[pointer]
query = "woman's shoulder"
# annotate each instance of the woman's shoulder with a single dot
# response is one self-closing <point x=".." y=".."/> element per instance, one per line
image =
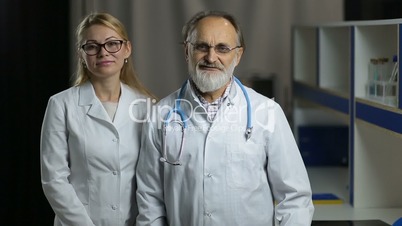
<point x="65" y="94"/>
<point x="133" y="92"/>
<point x="61" y="100"/>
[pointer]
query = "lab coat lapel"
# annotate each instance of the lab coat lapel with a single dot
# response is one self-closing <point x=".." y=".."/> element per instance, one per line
<point x="231" y="101"/>
<point x="126" y="103"/>
<point x="89" y="100"/>
<point x="233" y="98"/>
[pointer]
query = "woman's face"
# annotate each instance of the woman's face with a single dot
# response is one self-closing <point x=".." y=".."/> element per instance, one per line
<point x="104" y="52"/>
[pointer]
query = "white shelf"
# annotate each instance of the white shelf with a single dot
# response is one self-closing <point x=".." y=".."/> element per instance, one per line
<point x="335" y="180"/>
<point x="374" y="41"/>
<point x="331" y="70"/>
<point x="377" y="167"/>
<point x="347" y="212"/>
<point x="334" y="58"/>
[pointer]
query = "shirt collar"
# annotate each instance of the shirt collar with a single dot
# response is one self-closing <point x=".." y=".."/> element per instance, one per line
<point x="217" y="101"/>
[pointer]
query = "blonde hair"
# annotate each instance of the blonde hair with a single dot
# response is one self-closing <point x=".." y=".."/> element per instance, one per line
<point x="127" y="74"/>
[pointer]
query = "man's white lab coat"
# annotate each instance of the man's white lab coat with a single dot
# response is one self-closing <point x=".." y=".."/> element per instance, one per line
<point x="224" y="180"/>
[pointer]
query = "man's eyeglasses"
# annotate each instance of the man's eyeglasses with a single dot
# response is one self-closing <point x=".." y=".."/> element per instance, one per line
<point x="219" y="48"/>
<point x="93" y="48"/>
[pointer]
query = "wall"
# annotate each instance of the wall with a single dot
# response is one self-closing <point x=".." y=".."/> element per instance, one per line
<point x="155" y="30"/>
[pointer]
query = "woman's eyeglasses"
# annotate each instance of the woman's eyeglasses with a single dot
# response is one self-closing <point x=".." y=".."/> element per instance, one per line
<point x="93" y="48"/>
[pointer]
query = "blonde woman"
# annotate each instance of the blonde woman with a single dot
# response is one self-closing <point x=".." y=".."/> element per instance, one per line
<point x="90" y="136"/>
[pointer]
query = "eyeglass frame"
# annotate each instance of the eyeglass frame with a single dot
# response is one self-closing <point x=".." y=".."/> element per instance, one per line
<point x="103" y="45"/>
<point x="214" y="47"/>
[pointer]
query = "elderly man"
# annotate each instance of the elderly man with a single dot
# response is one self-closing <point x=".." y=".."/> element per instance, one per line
<point x="216" y="152"/>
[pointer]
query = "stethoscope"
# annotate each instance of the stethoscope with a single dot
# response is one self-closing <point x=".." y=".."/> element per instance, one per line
<point x="182" y="121"/>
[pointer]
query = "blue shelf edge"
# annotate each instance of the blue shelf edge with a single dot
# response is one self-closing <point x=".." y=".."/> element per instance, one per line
<point x="381" y="117"/>
<point x="321" y="97"/>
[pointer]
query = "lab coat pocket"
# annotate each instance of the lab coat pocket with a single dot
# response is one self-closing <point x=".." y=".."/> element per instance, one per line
<point x="244" y="165"/>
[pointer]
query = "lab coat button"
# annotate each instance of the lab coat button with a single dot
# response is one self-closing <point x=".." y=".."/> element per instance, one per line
<point x="114" y="140"/>
<point x="114" y="207"/>
<point x="114" y="172"/>
<point x="209" y="175"/>
<point x="208" y="214"/>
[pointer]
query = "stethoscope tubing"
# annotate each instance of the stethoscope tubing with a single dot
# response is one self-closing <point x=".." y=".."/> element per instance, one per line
<point x="183" y="122"/>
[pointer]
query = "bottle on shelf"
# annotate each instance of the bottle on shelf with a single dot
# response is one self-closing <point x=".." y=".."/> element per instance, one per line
<point x="381" y="85"/>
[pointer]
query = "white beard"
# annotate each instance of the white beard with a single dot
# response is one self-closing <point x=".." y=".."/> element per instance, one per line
<point x="207" y="81"/>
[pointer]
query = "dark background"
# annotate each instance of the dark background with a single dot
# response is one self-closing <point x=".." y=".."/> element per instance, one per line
<point x="372" y="9"/>
<point x="34" y="45"/>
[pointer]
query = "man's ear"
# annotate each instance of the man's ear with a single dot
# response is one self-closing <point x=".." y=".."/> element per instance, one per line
<point x="239" y="54"/>
<point x="186" y="53"/>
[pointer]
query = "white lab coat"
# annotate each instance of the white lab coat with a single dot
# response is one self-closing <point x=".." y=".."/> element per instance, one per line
<point x="224" y="180"/>
<point x="87" y="161"/>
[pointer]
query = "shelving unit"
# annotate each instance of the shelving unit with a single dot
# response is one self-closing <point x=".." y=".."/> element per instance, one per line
<point x="372" y="41"/>
<point x="333" y="61"/>
<point x="330" y="75"/>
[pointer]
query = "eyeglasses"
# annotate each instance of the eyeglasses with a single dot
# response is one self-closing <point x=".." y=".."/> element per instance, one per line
<point x="112" y="46"/>
<point x="220" y="48"/>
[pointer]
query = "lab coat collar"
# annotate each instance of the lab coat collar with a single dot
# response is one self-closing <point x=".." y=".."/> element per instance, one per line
<point x="87" y="94"/>
<point x="233" y="98"/>
<point x="87" y="97"/>
<point x="128" y="105"/>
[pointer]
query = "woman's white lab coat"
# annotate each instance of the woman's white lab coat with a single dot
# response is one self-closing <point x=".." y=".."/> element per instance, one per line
<point x="223" y="179"/>
<point x="87" y="161"/>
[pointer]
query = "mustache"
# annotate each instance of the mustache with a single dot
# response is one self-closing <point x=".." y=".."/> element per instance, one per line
<point x="214" y="65"/>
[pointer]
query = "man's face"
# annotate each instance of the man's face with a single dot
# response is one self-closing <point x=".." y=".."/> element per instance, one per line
<point x="213" y="52"/>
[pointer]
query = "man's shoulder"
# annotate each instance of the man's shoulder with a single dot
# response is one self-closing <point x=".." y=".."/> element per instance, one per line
<point x="170" y="98"/>
<point x="258" y="97"/>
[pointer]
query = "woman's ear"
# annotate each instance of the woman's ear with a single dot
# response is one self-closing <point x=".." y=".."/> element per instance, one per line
<point x="128" y="49"/>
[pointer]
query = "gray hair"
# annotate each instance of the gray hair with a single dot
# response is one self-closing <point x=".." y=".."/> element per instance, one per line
<point x="189" y="27"/>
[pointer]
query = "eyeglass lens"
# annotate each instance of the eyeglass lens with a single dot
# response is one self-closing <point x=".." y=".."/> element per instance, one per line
<point x="112" y="46"/>
<point x="219" y="48"/>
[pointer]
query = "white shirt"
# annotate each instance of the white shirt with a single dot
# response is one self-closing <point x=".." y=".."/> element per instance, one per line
<point x="213" y="107"/>
<point x="87" y="161"/>
<point x="111" y="108"/>
<point x="223" y="179"/>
